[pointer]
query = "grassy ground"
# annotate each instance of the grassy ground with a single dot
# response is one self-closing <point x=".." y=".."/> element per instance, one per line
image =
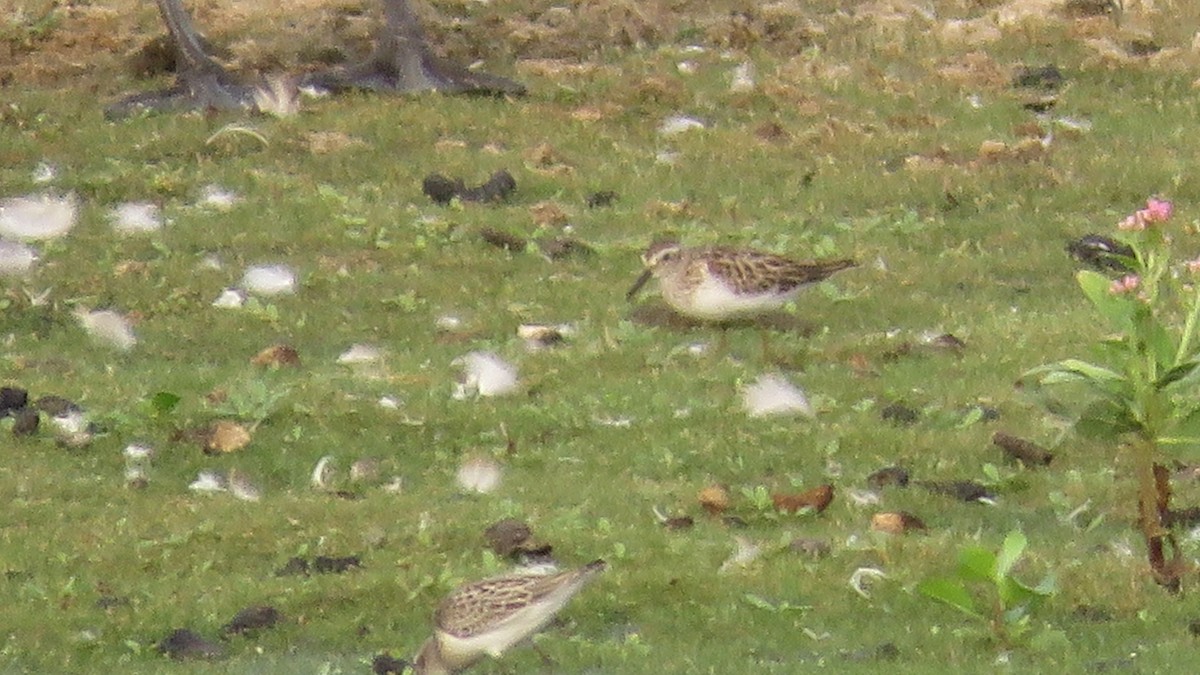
<point x="883" y="112"/>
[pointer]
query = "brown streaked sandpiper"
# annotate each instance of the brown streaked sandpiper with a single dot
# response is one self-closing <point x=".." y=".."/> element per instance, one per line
<point x="488" y="617"/>
<point x="721" y="284"/>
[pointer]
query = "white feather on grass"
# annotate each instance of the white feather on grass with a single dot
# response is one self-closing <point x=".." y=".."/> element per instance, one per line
<point x="138" y="452"/>
<point x="742" y="79"/>
<point x="217" y="198"/>
<point x="278" y="95"/>
<point x="136" y="218"/>
<point x="230" y="298"/>
<point x="269" y="280"/>
<point x="485" y="374"/>
<point x="359" y="354"/>
<point x="44" y="172"/>
<point x="479" y="474"/>
<point x="208" y="481"/>
<point x="678" y="124"/>
<point x="38" y="217"/>
<point x="746" y="553"/>
<point x="16" y="259"/>
<point x="774" y="395"/>
<point x="107" y="327"/>
<point x="322" y="474"/>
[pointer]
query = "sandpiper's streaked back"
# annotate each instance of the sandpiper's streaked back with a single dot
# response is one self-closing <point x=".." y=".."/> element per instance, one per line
<point x="488" y="617"/>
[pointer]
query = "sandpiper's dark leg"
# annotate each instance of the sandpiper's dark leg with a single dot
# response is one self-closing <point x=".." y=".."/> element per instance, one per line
<point x="200" y="82"/>
<point x="402" y="62"/>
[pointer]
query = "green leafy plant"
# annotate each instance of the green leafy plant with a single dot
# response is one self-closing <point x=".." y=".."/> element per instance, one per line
<point x="1010" y="602"/>
<point x="1142" y="389"/>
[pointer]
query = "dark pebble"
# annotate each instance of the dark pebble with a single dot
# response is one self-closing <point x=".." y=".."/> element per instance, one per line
<point x="56" y="406"/>
<point x="441" y="189"/>
<point x="27" y="421"/>
<point x="293" y="567"/>
<point x="12" y="399"/>
<point x="506" y="536"/>
<point x="502" y="239"/>
<point x="900" y="414"/>
<point x="1043" y="77"/>
<point x="962" y="490"/>
<point x="384" y="664"/>
<point x="601" y="199"/>
<point x="185" y="644"/>
<point x="335" y="565"/>
<point x="888" y="475"/>
<point x="252" y="619"/>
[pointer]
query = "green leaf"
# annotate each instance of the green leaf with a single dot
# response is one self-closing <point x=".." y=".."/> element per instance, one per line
<point x="1185" y="430"/>
<point x="1105" y="419"/>
<point x="1117" y="309"/>
<point x="1185" y="374"/>
<point x="976" y="564"/>
<point x="1048" y="586"/>
<point x="1014" y="594"/>
<point x="1101" y="380"/>
<point x="1010" y="553"/>
<point x="1156" y="338"/>
<point x="164" y="402"/>
<point x="758" y="602"/>
<point x="951" y="592"/>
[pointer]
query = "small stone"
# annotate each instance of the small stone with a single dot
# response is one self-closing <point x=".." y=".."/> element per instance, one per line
<point x="184" y="644"/>
<point x="277" y="356"/>
<point x="503" y="240"/>
<point x="676" y="523"/>
<point x="335" y="565"/>
<point x="506" y="537"/>
<point x="295" y="566"/>
<point x="1027" y="452"/>
<point x="889" y="475"/>
<point x="810" y="546"/>
<point x="225" y="436"/>
<point x="385" y="664"/>
<point x="962" y="490"/>
<point x="252" y="619"/>
<point x="12" y="399"/>
<point x="714" y="499"/>
<point x="816" y="499"/>
<point x="900" y="415"/>
<point x="896" y="522"/>
<point x="26" y="422"/>
<point x="601" y="199"/>
<point x="1043" y="77"/>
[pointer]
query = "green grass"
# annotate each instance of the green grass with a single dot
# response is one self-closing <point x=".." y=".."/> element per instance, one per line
<point x="970" y="248"/>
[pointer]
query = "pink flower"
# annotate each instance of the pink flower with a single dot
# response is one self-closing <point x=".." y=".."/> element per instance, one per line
<point x="1158" y="210"/>
<point x="1126" y="284"/>
<point x="1193" y="266"/>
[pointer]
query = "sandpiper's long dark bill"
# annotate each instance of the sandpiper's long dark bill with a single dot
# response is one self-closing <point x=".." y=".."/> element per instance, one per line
<point x="488" y="617"/>
<point x="642" y="279"/>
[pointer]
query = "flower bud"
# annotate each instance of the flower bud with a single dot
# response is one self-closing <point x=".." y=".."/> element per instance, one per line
<point x="1126" y="284"/>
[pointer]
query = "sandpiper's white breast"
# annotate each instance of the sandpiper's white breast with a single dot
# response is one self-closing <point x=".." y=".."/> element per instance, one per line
<point x="713" y="300"/>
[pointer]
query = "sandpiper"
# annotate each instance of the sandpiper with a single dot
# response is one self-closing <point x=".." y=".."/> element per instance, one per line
<point x="487" y="617"/>
<point x="720" y="284"/>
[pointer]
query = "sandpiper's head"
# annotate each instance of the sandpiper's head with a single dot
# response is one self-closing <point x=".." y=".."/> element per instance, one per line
<point x="661" y="253"/>
<point x="657" y="257"/>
